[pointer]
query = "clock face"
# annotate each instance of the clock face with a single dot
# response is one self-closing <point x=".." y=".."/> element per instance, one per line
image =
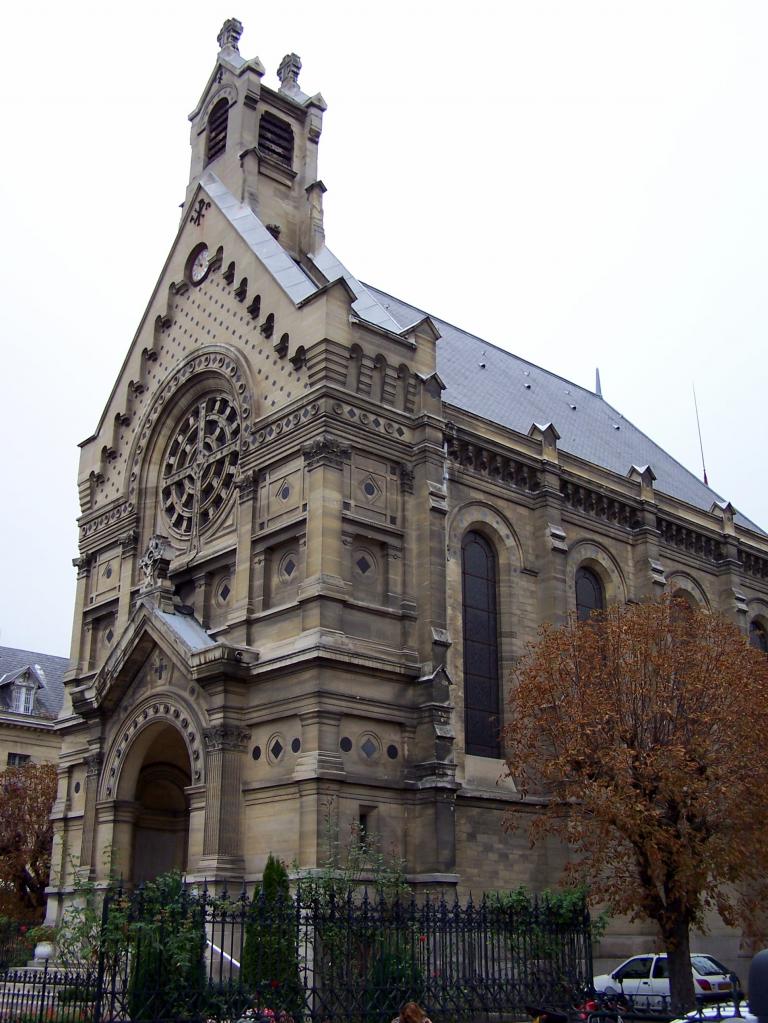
<point x="199" y="267"/>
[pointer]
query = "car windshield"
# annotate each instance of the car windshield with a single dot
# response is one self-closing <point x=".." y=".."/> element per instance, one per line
<point x="707" y="967"/>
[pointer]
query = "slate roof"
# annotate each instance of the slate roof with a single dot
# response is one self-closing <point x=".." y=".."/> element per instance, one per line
<point x="508" y="390"/>
<point x="49" y="671"/>
<point x="516" y="393"/>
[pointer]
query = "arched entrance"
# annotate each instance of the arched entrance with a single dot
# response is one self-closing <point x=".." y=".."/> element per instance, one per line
<point x="157" y="770"/>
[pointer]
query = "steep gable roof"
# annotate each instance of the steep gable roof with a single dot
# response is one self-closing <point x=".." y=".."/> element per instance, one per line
<point x="47" y="668"/>
<point x="499" y="386"/>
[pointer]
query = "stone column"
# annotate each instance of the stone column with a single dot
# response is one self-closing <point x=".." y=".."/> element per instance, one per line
<point x="222" y="835"/>
<point x="92" y="772"/>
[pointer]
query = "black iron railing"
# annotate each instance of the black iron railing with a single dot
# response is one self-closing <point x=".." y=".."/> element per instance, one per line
<point x="312" y="957"/>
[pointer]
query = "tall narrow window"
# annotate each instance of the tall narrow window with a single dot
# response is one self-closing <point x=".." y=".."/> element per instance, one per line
<point x="589" y="594"/>
<point x="758" y="637"/>
<point x="276" y="139"/>
<point x="481" y="653"/>
<point x="217" y="130"/>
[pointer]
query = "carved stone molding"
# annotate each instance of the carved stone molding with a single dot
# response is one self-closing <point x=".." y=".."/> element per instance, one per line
<point x="156" y="561"/>
<point x="84" y="564"/>
<point x="226" y="737"/>
<point x="406" y="479"/>
<point x="500" y="468"/>
<point x="326" y="451"/>
<point x="599" y="506"/>
<point x="93" y="765"/>
<point x="675" y="534"/>
<point x="246" y="483"/>
<point x="129" y="541"/>
<point x="151" y="712"/>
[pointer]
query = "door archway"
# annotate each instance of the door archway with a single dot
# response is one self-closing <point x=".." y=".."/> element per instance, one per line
<point x="158" y="771"/>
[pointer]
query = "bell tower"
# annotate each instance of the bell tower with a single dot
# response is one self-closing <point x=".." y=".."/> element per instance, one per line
<point x="261" y="143"/>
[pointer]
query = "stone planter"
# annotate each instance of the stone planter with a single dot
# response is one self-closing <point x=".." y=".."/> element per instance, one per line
<point x="44" y="950"/>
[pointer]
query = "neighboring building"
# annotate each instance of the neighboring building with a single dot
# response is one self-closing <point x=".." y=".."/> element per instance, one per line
<point x="318" y="527"/>
<point x="31" y="697"/>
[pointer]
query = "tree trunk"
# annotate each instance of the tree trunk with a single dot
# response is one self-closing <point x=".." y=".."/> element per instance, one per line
<point x="678" y="949"/>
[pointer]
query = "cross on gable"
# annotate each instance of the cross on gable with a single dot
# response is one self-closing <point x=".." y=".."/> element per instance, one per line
<point x="159" y="667"/>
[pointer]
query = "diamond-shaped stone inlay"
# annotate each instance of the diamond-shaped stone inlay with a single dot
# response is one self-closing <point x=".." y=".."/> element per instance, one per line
<point x="110" y="635"/>
<point x="370" y="488"/>
<point x="369" y="747"/>
<point x="224" y="592"/>
<point x="363" y="564"/>
<point x="290" y="567"/>
<point x="276" y="749"/>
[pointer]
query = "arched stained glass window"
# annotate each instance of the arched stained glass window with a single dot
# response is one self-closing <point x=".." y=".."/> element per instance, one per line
<point x="481" y="653"/>
<point x="758" y="637"/>
<point x="589" y="594"/>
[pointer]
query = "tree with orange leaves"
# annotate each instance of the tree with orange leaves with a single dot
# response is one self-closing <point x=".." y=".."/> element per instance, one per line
<point x="646" y="728"/>
<point x="26" y="836"/>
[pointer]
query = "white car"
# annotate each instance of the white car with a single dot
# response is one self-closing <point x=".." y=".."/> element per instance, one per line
<point x="645" y="979"/>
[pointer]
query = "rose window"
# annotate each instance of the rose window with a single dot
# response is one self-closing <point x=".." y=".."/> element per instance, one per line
<point x="200" y="464"/>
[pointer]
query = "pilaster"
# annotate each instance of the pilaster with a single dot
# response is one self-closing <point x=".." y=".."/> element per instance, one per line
<point x="79" y="646"/>
<point x="247" y="492"/>
<point x="92" y="773"/>
<point x="649" y="576"/>
<point x="222" y="856"/>
<point x="128" y="545"/>
<point x="551" y="539"/>
<point x="324" y="459"/>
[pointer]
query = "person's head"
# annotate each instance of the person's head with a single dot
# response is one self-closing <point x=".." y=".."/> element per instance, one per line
<point x="412" y="1012"/>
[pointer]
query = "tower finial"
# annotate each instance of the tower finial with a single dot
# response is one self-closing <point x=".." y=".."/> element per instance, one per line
<point x="230" y="34"/>
<point x="598" y="388"/>
<point x="288" y="73"/>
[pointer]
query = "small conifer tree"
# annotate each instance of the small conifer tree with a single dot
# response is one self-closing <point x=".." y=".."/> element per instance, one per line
<point x="270" y="965"/>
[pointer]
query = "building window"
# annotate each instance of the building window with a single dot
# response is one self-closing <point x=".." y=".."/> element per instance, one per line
<point x="590" y="595"/>
<point x="276" y="139"/>
<point x="217" y="130"/>
<point x="18" y="759"/>
<point x="481" y="654"/>
<point x="758" y="637"/>
<point x="23" y="699"/>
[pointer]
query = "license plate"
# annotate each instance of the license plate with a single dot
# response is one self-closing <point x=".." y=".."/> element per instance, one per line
<point x="724" y="985"/>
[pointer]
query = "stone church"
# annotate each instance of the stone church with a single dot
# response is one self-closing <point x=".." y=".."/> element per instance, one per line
<point x="318" y="527"/>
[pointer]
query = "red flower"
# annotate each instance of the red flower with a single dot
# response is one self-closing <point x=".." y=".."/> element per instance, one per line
<point x="275" y="983"/>
<point x="422" y="937"/>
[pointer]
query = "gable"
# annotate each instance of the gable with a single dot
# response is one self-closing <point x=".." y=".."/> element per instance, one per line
<point x="230" y="305"/>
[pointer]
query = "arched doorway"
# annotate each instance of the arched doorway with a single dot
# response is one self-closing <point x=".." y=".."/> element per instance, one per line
<point x="159" y="772"/>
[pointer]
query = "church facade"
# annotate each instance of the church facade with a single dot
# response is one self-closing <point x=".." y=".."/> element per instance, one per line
<point x="318" y="527"/>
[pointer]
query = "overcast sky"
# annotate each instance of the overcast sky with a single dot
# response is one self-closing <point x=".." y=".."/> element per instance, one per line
<point x="582" y="183"/>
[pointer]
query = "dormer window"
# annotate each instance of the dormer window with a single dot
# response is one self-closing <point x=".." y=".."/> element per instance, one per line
<point x="23" y="698"/>
<point x="217" y="130"/>
<point x="276" y="139"/>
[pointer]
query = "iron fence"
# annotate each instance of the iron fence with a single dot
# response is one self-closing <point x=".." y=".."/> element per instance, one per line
<point x="310" y="957"/>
